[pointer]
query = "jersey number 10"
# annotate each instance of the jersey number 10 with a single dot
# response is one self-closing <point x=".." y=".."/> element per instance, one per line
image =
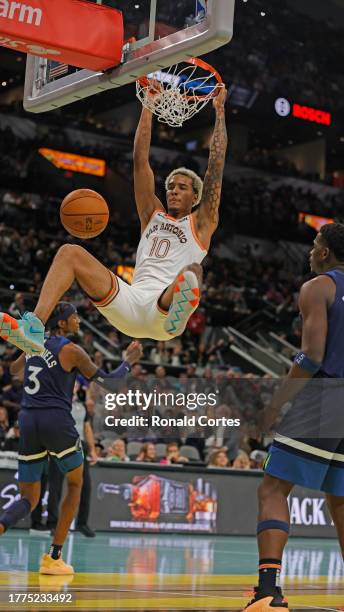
<point x="160" y="248"/>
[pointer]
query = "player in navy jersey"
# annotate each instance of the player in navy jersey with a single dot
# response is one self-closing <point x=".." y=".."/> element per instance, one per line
<point x="309" y="447"/>
<point x="47" y="427"/>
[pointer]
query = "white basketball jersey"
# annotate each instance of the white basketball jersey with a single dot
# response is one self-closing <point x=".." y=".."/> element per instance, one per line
<point x="167" y="245"/>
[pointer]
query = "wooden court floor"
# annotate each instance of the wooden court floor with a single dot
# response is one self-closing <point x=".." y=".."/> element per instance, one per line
<point x="163" y="573"/>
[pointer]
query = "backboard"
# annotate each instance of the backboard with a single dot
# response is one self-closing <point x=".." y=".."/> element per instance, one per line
<point x="158" y="33"/>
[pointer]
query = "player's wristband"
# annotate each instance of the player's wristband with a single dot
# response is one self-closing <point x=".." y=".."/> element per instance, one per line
<point x="307" y="364"/>
<point x="107" y="379"/>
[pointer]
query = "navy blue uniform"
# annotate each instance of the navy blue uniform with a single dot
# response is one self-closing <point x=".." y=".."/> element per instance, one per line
<point x="309" y="449"/>
<point x="333" y="363"/>
<point x="45" y="421"/>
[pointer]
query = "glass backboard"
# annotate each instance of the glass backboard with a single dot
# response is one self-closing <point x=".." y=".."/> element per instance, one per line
<point x="158" y="33"/>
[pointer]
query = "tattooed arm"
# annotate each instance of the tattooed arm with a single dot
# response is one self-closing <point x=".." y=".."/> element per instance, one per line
<point x="207" y="216"/>
<point x="144" y="182"/>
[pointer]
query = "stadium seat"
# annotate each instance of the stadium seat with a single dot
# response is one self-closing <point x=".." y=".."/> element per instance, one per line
<point x="190" y="452"/>
<point x="160" y="450"/>
<point x="133" y="449"/>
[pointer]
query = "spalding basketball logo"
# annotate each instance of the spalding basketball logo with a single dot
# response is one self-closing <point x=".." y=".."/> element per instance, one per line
<point x="89" y="223"/>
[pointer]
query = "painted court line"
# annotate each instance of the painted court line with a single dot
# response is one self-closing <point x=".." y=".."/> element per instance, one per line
<point x="315" y="608"/>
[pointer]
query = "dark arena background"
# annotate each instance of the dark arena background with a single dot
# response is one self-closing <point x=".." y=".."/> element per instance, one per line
<point x="168" y="512"/>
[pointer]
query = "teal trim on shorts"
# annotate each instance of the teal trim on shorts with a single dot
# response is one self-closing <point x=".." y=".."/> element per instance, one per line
<point x="69" y="463"/>
<point x="311" y="473"/>
<point x="32" y="471"/>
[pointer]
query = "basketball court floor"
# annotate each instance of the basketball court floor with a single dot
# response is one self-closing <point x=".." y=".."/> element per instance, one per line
<point x="165" y="572"/>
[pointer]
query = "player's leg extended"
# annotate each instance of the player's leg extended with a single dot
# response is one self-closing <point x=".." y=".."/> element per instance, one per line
<point x="53" y="563"/>
<point x="181" y="298"/>
<point x="273" y="531"/>
<point x="71" y="263"/>
<point x="336" y="507"/>
<point x="30" y="494"/>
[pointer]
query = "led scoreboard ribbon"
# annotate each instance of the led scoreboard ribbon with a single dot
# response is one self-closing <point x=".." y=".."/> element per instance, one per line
<point x="75" y="163"/>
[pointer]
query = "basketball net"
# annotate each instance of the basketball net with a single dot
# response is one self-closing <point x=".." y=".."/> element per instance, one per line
<point x="176" y="94"/>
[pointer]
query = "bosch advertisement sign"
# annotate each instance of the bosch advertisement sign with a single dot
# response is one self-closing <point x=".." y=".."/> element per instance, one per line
<point x="285" y="108"/>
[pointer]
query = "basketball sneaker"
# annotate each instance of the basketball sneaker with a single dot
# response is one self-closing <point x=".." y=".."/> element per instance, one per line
<point x="26" y="333"/>
<point x="186" y="298"/>
<point x="263" y="602"/>
<point x="54" y="567"/>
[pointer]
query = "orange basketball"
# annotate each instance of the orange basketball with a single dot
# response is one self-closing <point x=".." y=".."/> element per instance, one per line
<point x="84" y="213"/>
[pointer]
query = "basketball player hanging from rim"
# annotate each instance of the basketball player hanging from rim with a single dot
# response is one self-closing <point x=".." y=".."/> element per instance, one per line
<point x="168" y="275"/>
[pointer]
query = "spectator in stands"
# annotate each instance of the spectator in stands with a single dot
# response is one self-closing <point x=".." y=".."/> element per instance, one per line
<point x="176" y="355"/>
<point x="194" y="384"/>
<point x="241" y="461"/>
<point x="257" y="459"/>
<point x="113" y="337"/>
<point x="295" y="335"/>
<point x="11" y="397"/>
<point x="4" y="425"/>
<point x="98" y="358"/>
<point x="173" y="455"/>
<point x="137" y="378"/>
<point x="159" y="354"/>
<point x="117" y="452"/>
<point x="208" y="382"/>
<point x="191" y="370"/>
<point x="12" y="439"/>
<point x="5" y="377"/>
<point x="37" y="282"/>
<point x="18" y="306"/>
<point x="95" y="403"/>
<point x="161" y="383"/>
<point x="196" y="324"/>
<point x="9" y="355"/>
<point x="87" y="342"/>
<point x="218" y="459"/>
<point x="137" y="372"/>
<point x="100" y="450"/>
<point x="147" y="453"/>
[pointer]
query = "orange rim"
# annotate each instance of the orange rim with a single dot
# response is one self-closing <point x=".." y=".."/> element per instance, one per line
<point x="195" y="61"/>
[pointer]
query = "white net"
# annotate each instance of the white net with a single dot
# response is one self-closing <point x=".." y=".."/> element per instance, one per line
<point x="176" y="94"/>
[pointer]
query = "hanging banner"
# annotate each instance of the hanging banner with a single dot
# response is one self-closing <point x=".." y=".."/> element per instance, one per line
<point x="74" y="32"/>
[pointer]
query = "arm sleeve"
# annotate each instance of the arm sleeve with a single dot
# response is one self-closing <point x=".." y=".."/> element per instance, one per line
<point x="107" y="380"/>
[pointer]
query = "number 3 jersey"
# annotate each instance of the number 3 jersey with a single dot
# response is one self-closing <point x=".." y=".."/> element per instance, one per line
<point x="167" y="245"/>
<point x="46" y="383"/>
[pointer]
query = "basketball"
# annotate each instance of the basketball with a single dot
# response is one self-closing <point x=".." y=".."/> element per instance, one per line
<point x="84" y="213"/>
